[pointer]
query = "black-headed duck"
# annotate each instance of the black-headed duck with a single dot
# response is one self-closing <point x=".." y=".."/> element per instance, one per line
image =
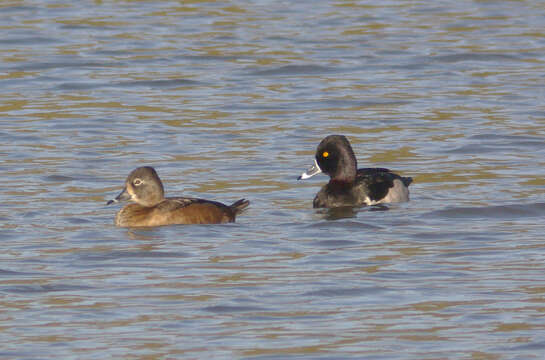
<point x="150" y="208"/>
<point x="348" y="185"/>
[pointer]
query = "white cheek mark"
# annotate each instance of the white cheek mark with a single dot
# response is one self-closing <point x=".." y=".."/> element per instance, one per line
<point x="130" y="191"/>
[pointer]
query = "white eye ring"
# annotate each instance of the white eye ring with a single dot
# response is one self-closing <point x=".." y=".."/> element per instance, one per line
<point x="137" y="182"/>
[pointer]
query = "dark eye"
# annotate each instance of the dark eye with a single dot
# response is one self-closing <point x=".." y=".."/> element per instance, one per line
<point x="137" y="182"/>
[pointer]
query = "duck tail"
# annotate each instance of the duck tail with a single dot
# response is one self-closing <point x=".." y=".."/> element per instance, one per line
<point x="239" y="205"/>
<point x="407" y="180"/>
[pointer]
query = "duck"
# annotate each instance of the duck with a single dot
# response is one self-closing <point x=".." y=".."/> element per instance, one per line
<point x="348" y="185"/>
<point x="150" y="207"/>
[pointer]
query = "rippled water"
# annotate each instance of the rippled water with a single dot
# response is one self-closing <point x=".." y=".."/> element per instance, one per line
<point x="229" y="100"/>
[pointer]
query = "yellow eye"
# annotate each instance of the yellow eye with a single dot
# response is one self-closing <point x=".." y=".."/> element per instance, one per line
<point x="325" y="154"/>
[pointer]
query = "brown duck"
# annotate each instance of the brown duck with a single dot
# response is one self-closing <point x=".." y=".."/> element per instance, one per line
<point x="150" y="208"/>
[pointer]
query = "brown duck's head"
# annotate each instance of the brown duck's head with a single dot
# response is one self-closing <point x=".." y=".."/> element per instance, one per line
<point x="143" y="186"/>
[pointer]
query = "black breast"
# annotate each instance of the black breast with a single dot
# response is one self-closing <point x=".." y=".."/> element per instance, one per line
<point x="336" y="194"/>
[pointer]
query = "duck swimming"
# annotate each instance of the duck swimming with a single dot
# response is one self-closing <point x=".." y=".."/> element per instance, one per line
<point x="150" y="208"/>
<point x="348" y="185"/>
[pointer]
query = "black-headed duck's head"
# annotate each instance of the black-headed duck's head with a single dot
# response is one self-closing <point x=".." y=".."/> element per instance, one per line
<point x="334" y="157"/>
<point x="142" y="186"/>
